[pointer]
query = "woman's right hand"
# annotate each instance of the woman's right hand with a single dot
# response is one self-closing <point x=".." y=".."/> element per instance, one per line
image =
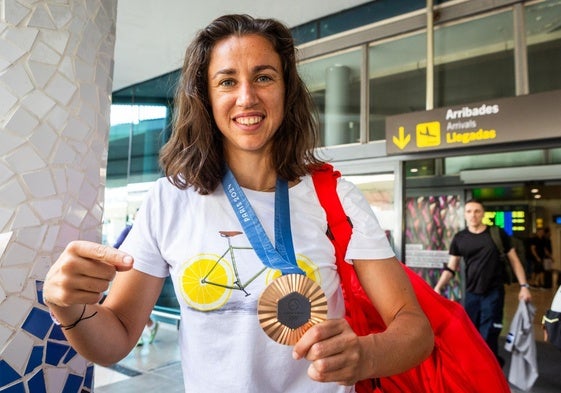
<point x="82" y="273"/>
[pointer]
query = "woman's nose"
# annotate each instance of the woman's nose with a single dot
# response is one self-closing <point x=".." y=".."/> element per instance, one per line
<point x="247" y="96"/>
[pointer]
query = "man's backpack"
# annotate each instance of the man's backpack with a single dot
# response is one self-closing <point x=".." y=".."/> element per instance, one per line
<point x="461" y="361"/>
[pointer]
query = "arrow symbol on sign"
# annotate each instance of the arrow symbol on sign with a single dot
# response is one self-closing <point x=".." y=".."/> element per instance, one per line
<point x="402" y="140"/>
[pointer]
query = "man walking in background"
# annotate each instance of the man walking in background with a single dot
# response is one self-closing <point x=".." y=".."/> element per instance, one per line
<point x="485" y="273"/>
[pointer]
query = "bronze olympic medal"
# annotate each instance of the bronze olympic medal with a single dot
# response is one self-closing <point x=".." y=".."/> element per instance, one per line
<point x="289" y="306"/>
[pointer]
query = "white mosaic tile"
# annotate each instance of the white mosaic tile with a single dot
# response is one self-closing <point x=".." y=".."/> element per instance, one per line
<point x="58" y="117"/>
<point x="25" y="217"/>
<point x="84" y="71"/>
<point x="55" y="379"/>
<point x="14" y="309"/>
<point x="76" y="129"/>
<point x="88" y="194"/>
<point x="14" y="12"/>
<point x="55" y="39"/>
<point x="75" y="180"/>
<point x="5" y="216"/>
<point x="17" y="79"/>
<point x="39" y="183"/>
<point x="4" y="241"/>
<point x="61" y="14"/>
<point x="60" y="88"/>
<point x="31" y="237"/>
<point x="65" y="233"/>
<point x="75" y="215"/>
<point x="67" y="69"/>
<point x="21" y="122"/>
<point x="5" y="332"/>
<point x="41" y="18"/>
<point x="43" y="140"/>
<point x="10" y="52"/>
<point x="60" y="180"/>
<point x="48" y="209"/>
<point x="18" y="350"/>
<point x="38" y="103"/>
<point x="30" y="289"/>
<point x="39" y="270"/>
<point x="64" y="154"/>
<point x="13" y="279"/>
<point x="41" y="72"/>
<point x="25" y="159"/>
<point x="7" y="102"/>
<point x="50" y="240"/>
<point x="42" y="53"/>
<point x="5" y="173"/>
<point x="17" y="254"/>
<point x="11" y="193"/>
<point x="24" y="38"/>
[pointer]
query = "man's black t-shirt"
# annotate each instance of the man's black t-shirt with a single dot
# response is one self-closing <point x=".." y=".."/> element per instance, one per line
<point x="484" y="268"/>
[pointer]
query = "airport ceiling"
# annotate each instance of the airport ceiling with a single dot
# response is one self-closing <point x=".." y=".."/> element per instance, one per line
<point x="151" y="36"/>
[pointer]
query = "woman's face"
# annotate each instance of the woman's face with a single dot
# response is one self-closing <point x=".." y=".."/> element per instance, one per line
<point x="246" y="90"/>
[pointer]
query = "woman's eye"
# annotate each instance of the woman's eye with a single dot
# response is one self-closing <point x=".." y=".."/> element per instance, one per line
<point x="227" y="83"/>
<point x="264" y="78"/>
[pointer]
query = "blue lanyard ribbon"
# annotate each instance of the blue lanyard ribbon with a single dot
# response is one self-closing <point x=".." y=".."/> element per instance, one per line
<point x="281" y="256"/>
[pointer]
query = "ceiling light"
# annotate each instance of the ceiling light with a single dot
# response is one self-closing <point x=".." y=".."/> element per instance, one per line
<point x="534" y="190"/>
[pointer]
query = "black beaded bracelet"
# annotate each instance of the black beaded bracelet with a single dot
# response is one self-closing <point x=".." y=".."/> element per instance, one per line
<point x="73" y="325"/>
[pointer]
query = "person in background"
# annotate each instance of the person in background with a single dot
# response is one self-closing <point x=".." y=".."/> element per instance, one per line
<point x="152" y="327"/>
<point x="244" y="125"/>
<point x="485" y="274"/>
<point x="538" y="253"/>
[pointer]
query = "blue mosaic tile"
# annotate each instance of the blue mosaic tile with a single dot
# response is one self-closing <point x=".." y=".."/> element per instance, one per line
<point x="73" y="384"/>
<point x="39" y="287"/>
<point x="36" y="359"/>
<point x="71" y="353"/>
<point x="7" y="374"/>
<point x="56" y="333"/>
<point x="55" y="353"/>
<point x="37" y="383"/>
<point x="88" y="380"/>
<point x="38" y="323"/>
<point x="18" y="388"/>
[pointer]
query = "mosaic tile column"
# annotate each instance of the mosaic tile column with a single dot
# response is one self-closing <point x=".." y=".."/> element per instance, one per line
<point x="56" y="64"/>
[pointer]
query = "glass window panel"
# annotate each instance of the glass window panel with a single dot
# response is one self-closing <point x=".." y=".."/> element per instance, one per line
<point x="453" y="165"/>
<point x="555" y="156"/>
<point x="334" y="82"/>
<point x="397" y="80"/>
<point x="474" y="60"/>
<point x="379" y="192"/>
<point x="543" y="37"/>
<point x="136" y="135"/>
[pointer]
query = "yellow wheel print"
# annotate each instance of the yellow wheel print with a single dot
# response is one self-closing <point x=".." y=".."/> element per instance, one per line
<point x="303" y="263"/>
<point x="210" y="293"/>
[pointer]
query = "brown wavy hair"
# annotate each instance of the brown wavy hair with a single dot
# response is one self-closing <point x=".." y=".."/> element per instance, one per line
<point x="194" y="154"/>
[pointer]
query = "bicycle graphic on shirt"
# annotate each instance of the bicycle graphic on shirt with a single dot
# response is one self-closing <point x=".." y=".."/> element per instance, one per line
<point x="208" y="280"/>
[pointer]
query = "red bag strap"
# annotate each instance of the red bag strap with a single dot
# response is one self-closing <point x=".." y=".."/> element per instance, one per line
<point x="339" y="230"/>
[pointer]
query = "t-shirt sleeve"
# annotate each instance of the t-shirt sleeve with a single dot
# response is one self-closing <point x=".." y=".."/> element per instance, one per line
<point x="141" y="241"/>
<point x="368" y="240"/>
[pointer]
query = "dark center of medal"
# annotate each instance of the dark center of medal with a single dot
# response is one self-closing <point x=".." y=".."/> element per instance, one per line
<point x="294" y="310"/>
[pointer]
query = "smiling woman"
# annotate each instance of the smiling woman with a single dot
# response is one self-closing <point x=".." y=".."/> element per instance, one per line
<point x="244" y="126"/>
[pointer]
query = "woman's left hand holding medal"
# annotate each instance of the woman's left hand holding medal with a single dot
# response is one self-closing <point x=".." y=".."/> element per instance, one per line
<point x="336" y="353"/>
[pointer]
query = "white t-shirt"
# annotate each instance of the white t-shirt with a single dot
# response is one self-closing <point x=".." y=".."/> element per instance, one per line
<point x="556" y="302"/>
<point x="223" y="347"/>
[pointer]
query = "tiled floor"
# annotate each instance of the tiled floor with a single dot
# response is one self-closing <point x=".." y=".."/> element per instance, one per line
<point x="156" y="367"/>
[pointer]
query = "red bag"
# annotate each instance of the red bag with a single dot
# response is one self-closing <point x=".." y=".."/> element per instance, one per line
<point x="461" y="361"/>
